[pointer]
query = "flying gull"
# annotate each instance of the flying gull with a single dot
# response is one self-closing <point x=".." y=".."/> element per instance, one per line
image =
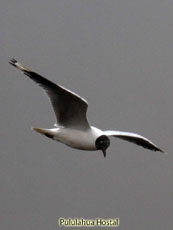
<point x="73" y="128"/>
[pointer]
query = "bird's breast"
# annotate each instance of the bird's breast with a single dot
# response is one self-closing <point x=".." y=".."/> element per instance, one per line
<point x="79" y="139"/>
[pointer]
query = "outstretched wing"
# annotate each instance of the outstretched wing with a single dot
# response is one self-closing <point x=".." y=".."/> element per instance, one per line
<point x="134" y="138"/>
<point x="70" y="109"/>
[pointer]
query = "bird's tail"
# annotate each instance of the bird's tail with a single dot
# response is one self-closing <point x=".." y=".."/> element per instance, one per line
<point x="46" y="132"/>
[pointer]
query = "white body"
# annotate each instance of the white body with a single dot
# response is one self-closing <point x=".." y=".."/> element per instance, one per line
<point x="78" y="139"/>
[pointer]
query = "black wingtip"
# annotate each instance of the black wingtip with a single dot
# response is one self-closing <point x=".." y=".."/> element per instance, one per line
<point x="162" y="151"/>
<point x="159" y="150"/>
<point x="13" y="62"/>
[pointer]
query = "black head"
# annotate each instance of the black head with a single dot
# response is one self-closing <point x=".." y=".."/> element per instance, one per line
<point x="102" y="143"/>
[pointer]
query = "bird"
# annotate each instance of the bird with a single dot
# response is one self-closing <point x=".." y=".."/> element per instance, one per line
<point x="72" y="127"/>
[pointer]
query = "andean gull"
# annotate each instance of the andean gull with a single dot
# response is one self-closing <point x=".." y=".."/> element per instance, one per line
<point x="73" y="128"/>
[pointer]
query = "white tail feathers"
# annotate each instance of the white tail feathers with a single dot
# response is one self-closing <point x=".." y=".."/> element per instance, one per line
<point x="39" y="130"/>
<point x="45" y="132"/>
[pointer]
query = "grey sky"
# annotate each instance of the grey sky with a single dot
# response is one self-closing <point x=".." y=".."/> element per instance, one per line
<point x="118" y="55"/>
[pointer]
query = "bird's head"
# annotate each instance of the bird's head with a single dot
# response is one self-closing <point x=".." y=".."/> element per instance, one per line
<point x="102" y="143"/>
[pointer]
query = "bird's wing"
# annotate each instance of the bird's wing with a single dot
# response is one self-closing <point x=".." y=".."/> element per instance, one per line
<point x="70" y="109"/>
<point x="135" y="138"/>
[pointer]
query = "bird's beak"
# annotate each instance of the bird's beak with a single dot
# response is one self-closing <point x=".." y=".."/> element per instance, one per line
<point x="104" y="152"/>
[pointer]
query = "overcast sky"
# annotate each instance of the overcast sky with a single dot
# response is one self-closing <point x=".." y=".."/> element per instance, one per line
<point x="118" y="55"/>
